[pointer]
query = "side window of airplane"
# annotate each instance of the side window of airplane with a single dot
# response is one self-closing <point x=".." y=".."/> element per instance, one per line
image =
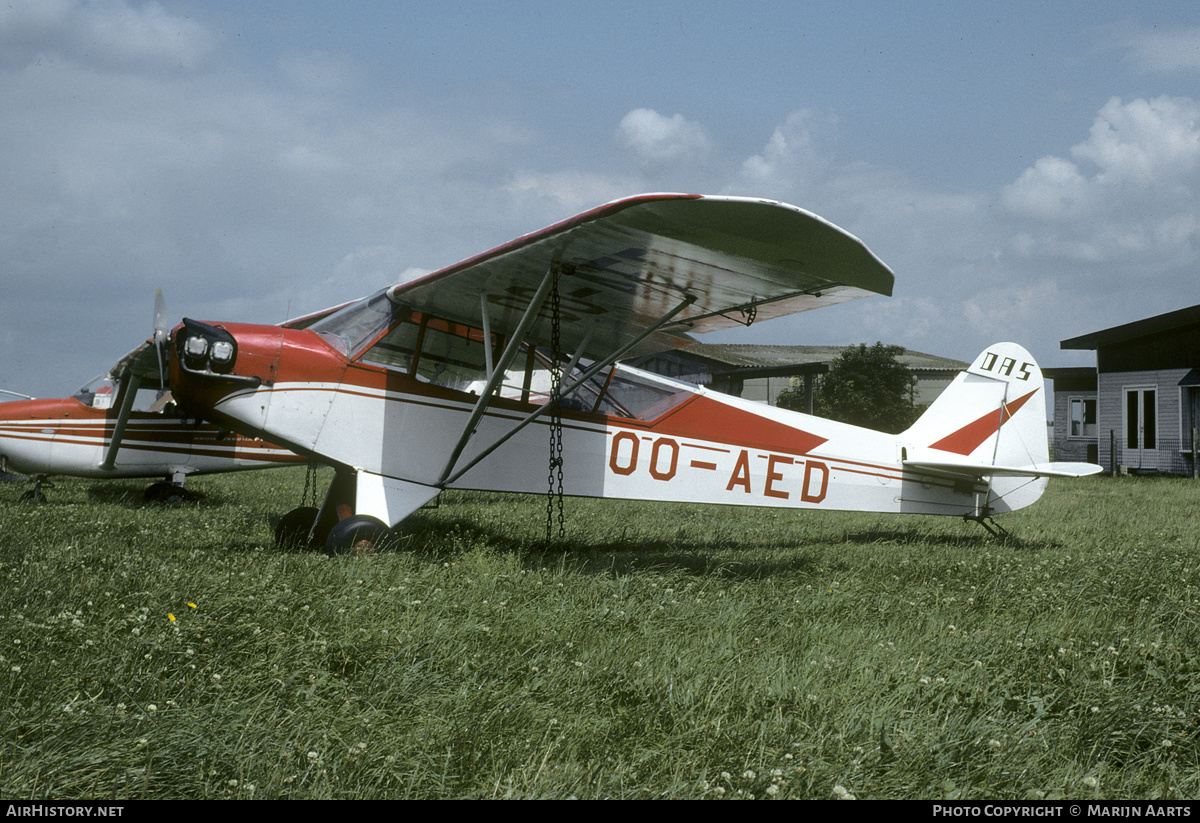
<point x="452" y="355"/>
<point x="433" y="351"/>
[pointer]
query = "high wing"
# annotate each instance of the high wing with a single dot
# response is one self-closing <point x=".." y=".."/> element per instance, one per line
<point x="654" y="266"/>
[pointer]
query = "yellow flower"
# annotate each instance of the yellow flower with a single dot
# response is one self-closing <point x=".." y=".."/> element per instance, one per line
<point x="171" y="617"/>
<point x="191" y="605"/>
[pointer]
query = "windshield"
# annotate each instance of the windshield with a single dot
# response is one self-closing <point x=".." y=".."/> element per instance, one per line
<point x="101" y="393"/>
<point x="350" y="328"/>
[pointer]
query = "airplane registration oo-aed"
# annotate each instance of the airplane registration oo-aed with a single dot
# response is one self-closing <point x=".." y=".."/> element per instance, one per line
<point x="501" y="373"/>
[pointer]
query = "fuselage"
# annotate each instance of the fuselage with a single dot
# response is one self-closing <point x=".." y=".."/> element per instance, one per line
<point x="658" y="440"/>
<point x="69" y="437"/>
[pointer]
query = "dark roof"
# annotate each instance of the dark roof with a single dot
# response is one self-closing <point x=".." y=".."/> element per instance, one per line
<point x="1069" y="371"/>
<point x="1139" y="328"/>
<point x="749" y="356"/>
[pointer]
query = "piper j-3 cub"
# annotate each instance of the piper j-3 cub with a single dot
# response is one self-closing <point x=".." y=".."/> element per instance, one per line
<point x="124" y="424"/>
<point x="461" y="379"/>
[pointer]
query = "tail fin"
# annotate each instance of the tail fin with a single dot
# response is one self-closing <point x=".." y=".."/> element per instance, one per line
<point x="991" y="423"/>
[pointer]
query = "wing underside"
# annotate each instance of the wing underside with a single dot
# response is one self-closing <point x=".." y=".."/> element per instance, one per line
<point x="673" y="264"/>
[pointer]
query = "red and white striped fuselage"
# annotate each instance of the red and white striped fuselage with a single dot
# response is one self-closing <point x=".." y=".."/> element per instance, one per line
<point x="68" y="437"/>
<point x="398" y="433"/>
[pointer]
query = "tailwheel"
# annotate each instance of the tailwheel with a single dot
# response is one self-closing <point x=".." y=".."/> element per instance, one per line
<point x="293" y="529"/>
<point x="360" y="534"/>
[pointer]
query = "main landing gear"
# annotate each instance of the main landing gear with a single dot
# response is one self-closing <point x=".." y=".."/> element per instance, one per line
<point x="334" y="527"/>
<point x="172" y="494"/>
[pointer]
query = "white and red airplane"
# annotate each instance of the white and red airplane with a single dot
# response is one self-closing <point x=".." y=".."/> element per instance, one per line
<point x="124" y="424"/>
<point x="500" y="373"/>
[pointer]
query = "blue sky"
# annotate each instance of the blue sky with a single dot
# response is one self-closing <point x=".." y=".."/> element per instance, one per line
<point x="1031" y="172"/>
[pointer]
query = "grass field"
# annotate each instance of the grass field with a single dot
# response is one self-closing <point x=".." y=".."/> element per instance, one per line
<point x="667" y="651"/>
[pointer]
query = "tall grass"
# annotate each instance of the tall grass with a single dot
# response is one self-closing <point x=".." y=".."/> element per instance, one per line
<point x="658" y="651"/>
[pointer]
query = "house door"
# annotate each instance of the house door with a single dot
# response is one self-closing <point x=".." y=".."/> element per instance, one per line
<point x="1191" y="417"/>
<point x="1141" y="428"/>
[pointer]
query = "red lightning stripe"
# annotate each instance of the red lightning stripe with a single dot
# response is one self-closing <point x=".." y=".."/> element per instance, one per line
<point x="971" y="436"/>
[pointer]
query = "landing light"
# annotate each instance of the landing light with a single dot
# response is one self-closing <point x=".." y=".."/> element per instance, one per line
<point x="195" y="347"/>
<point x="222" y="351"/>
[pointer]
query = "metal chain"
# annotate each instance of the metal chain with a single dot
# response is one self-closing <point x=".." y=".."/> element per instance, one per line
<point x="556" y="445"/>
<point x="310" y="477"/>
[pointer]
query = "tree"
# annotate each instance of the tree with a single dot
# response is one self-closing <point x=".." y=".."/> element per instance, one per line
<point x="867" y="386"/>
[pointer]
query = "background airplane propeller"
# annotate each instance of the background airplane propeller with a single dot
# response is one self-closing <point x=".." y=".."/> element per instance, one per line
<point x="161" y="330"/>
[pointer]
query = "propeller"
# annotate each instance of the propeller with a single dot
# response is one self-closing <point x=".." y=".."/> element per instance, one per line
<point x="161" y="331"/>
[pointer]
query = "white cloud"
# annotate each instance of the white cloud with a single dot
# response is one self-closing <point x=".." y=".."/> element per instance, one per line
<point x="106" y="32"/>
<point x="558" y="195"/>
<point x="658" y="139"/>
<point x="1130" y="193"/>
<point x="796" y="155"/>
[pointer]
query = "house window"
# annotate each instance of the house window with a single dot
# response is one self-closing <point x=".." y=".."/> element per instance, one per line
<point x="1083" y="417"/>
<point x="1141" y="419"/>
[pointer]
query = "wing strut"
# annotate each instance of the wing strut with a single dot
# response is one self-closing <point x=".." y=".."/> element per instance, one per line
<point x="595" y="369"/>
<point x="129" y="390"/>
<point x="497" y="372"/>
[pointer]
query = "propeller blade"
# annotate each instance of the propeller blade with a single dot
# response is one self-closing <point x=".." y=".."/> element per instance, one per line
<point x="161" y="330"/>
<point x="160" y="317"/>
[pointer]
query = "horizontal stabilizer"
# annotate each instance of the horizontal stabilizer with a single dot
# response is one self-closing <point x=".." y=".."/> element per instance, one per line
<point x="975" y="470"/>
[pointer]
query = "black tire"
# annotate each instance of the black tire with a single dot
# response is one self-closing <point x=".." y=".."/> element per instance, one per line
<point x="164" y="492"/>
<point x="291" y="532"/>
<point x="360" y="534"/>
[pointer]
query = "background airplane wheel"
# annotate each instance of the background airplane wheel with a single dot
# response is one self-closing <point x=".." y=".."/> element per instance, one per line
<point x="291" y="532"/>
<point x="165" y="492"/>
<point x="360" y="534"/>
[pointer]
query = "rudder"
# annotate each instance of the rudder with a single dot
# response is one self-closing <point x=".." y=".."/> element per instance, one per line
<point x="992" y="414"/>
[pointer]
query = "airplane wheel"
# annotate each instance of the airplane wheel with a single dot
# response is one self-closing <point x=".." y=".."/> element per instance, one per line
<point x="33" y="497"/>
<point x="165" y="492"/>
<point x="291" y="532"/>
<point x="360" y="534"/>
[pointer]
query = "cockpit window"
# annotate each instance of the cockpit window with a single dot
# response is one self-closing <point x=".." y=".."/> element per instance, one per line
<point x="453" y="355"/>
<point x="433" y="351"/>
<point x="351" y="327"/>
<point x="100" y="393"/>
<point x="103" y="393"/>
